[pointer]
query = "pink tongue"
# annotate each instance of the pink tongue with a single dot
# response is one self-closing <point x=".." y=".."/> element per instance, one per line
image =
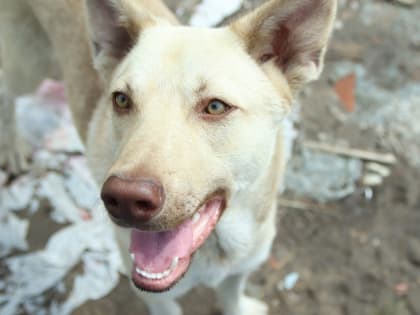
<point x="155" y="251"/>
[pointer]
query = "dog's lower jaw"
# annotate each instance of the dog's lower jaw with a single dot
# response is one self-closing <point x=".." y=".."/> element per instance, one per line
<point x="150" y="250"/>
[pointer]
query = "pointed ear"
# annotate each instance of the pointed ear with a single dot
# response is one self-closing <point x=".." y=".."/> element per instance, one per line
<point x="115" y="26"/>
<point x="293" y="34"/>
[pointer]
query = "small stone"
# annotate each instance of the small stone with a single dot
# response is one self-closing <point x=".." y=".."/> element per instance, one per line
<point x="372" y="180"/>
<point x="289" y="282"/>
<point x="414" y="251"/>
<point x="378" y="169"/>
<point x="368" y="193"/>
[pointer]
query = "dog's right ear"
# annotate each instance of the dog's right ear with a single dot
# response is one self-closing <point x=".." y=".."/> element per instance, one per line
<point x="290" y="36"/>
<point x="115" y="26"/>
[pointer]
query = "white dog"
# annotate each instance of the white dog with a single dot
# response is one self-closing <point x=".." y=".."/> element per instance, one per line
<point x="182" y="126"/>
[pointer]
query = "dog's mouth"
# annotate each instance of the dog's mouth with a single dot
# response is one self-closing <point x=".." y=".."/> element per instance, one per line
<point x="160" y="259"/>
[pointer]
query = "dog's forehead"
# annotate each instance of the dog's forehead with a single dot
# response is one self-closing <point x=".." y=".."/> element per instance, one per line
<point x="183" y="43"/>
<point x="182" y="53"/>
<point x="181" y="62"/>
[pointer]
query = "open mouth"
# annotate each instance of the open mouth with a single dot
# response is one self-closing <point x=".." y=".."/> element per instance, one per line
<point x="160" y="259"/>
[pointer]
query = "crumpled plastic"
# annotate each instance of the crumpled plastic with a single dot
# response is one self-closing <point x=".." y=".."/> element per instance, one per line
<point x="212" y="12"/>
<point x="18" y="195"/>
<point x="322" y="177"/>
<point x="52" y="188"/>
<point x="45" y="120"/>
<point x="33" y="274"/>
<point x="36" y="282"/>
<point x="13" y="233"/>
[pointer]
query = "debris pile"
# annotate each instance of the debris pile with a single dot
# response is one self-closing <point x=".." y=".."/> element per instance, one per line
<point x="37" y="282"/>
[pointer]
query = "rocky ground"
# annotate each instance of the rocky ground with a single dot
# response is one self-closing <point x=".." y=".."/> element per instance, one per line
<point x="349" y="229"/>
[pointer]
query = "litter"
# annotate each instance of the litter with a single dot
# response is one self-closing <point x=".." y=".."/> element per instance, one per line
<point x="322" y="177"/>
<point x="64" y="182"/>
<point x="378" y="169"/>
<point x="372" y="180"/>
<point x="18" y="195"/>
<point x="80" y="185"/>
<point x="52" y="188"/>
<point x="13" y="233"/>
<point x="289" y="282"/>
<point x="44" y="121"/>
<point x="34" y="274"/>
<point x="212" y="12"/>
<point x="392" y="114"/>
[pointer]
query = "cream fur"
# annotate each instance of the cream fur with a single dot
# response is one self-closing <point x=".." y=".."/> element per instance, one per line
<point x="167" y="72"/>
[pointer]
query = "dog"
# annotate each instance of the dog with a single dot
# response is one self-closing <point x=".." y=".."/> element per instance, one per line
<point x="183" y="127"/>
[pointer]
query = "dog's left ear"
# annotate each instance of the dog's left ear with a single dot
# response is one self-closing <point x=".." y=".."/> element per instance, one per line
<point x="291" y="34"/>
<point x="115" y="26"/>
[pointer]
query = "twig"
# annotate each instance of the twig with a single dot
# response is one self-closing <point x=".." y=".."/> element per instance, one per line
<point x="300" y="205"/>
<point x="384" y="158"/>
<point x="295" y="204"/>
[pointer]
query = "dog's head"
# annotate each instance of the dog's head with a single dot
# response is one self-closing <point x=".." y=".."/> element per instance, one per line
<point x="189" y="117"/>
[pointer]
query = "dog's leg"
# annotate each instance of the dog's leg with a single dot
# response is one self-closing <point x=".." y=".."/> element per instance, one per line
<point x="159" y="305"/>
<point x="26" y="58"/>
<point x="12" y="149"/>
<point x="233" y="300"/>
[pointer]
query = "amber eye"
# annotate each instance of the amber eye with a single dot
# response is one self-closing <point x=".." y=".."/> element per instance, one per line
<point x="121" y="101"/>
<point x="216" y="107"/>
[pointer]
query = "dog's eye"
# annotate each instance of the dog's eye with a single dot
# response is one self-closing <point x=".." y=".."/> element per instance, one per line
<point x="121" y="101"/>
<point x="216" y="108"/>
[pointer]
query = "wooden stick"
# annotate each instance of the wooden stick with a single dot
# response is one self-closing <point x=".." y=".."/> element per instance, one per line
<point x="384" y="158"/>
<point x="294" y="204"/>
<point x="300" y="205"/>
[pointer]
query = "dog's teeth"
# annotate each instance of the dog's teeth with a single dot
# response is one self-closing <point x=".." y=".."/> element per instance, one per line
<point x="132" y="256"/>
<point x="196" y="217"/>
<point x="174" y="263"/>
<point x="160" y="275"/>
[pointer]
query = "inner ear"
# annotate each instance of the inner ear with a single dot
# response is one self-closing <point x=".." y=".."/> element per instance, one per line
<point x="292" y="33"/>
<point x="115" y="26"/>
<point x="111" y="40"/>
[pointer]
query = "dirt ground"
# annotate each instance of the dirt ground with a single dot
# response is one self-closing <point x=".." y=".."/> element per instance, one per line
<point x="355" y="256"/>
<point x="359" y="255"/>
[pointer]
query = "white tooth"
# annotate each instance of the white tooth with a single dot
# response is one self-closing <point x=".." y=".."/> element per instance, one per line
<point x="196" y="217"/>
<point x="174" y="263"/>
<point x="158" y="276"/>
<point x="132" y="256"/>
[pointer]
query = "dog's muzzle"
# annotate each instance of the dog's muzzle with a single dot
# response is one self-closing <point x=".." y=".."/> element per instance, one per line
<point x="132" y="202"/>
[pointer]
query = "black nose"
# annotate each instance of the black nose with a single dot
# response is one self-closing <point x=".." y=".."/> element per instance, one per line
<point x="132" y="202"/>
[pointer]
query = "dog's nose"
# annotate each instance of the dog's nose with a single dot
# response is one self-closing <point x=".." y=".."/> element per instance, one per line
<point x="132" y="202"/>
